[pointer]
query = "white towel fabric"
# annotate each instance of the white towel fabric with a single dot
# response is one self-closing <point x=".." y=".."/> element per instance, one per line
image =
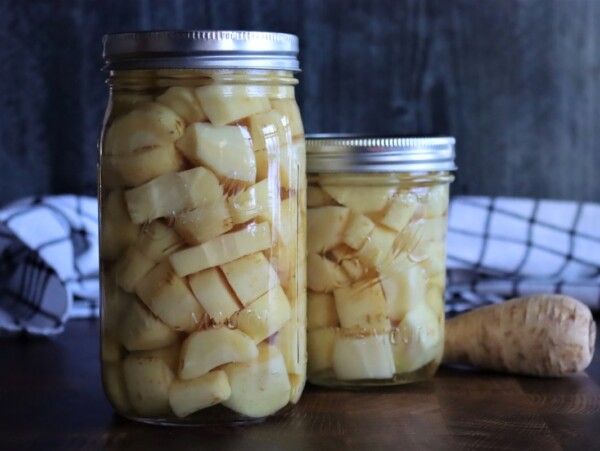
<point x="48" y="263"/>
<point x="498" y="248"/>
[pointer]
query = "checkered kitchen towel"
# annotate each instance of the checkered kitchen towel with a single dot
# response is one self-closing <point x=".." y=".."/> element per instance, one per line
<point x="48" y="263"/>
<point x="498" y="248"/>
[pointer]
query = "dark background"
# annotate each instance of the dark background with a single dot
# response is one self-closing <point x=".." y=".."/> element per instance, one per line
<point x="516" y="81"/>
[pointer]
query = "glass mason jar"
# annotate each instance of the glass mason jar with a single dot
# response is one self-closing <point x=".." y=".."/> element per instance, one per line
<point x="202" y="194"/>
<point x="377" y="215"/>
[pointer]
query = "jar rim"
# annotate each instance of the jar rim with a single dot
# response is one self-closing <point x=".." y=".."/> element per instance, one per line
<point x="331" y="153"/>
<point x="200" y="49"/>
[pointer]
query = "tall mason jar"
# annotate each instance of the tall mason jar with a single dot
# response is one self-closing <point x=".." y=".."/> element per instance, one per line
<point x="377" y="215"/>
<point x="202" y="206"/>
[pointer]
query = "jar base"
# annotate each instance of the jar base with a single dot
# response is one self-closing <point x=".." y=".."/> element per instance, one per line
<point x="327" y="378"/>
<point x="215" y="416"/>
<point x="191" y="423"/>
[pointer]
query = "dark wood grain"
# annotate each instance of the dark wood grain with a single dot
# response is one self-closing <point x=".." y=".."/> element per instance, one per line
<point x="516" y="81"/>
<point x="51" y="399"/>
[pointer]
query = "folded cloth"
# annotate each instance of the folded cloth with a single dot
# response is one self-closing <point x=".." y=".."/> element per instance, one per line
<point x="48" y="263"/>
<point x="498" y="248"/>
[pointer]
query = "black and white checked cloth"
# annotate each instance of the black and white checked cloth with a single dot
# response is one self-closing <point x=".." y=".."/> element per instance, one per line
<point x="498" y="248"/>
<point x="48" y="263"/>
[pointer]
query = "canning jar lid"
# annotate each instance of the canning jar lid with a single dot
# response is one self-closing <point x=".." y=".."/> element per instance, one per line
<point x="357" y="153"/>
<point x="172" y="49"/>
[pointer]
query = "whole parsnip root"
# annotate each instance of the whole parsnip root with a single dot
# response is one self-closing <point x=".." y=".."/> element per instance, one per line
<point x="541" y="335"/>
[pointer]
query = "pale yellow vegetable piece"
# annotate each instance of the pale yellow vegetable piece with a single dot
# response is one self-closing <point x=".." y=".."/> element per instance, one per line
<point x="259" y="387"/>
<point x="168" y="354"/>
<point x="258" y="200"/>
<point x="266" y="164"/>
<point x="324" y="275"/>
<point x="353" y="268"/>
<point x="207" y="349"/>
<point x="400" y="211"/>
<point x="169" y="298"/>
<point x="317" y="197"/>
<point x="320" y="349"/>
<point x="433" y="229"/>
<point x="292" y="170"/>
<point x="420" y="234"/>
<point x="435" y="202"/>
<point x="291" y="341"/>
<point x="363" y="358"/>
<point x="286" y="220"/>
<point x="345" y="256"/>
<point x="435" y="299"/>
<point x="115" y="302"/>
<point x="265" y="316"/>
<point x="225" y="150"/>
<point x="187" y="397"/>
<point x="117" y="231"/>
<point x="326" y="227"/>
<point x="131" y="268"/>
<point x="290" y="229"/>
<point x="148" y="125"/>
<point x="114" y="386"/>
<point x="286" y="164"/>
<point x="360" y="199"/>
<point x="358" y="230"/>
<point x="205" y="223"/>
<point x="285" y="259"/>
<point x="157" y="241"/>
<point x="183" y="101"/>
<point x="171" y="194"/>
<point x="202" y="187"/>
<point x="269" y="130"/>
<point x="403" y="290"/>
<point x="223" y="249"/>
<point x="140" y="330"/>
<point x="321" y="310"/>
<point x="438" y="281"/>
<point x="289" y="109"/>
<point x="362" y="306"/>
<point x="224" y="104"/>
<point x="418" y="339"/>
<point x="378" y="249"/>
<point x="431" y="255"/>
<point x="143" y="165"/>
<point x="214" y="294"/>
<point x="250" y="277"/>
<point x="148" y="379"/>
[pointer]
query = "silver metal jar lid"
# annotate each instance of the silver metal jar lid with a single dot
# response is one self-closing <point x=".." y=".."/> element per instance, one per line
<point x="201" y="50"/>
<point x="356" y="153"/>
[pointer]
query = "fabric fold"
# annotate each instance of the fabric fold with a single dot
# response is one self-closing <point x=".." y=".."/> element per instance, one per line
<point x="500" y="248"/>
<point x="48" y="263"/>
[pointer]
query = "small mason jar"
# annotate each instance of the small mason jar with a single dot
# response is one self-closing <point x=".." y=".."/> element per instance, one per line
<point x="377" y="215"/>
<point x="202" y="204"/>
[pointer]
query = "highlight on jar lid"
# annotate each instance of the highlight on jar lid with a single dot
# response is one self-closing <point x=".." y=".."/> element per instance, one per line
<point x="197" y="49"/>
<point x="358" y="153"/>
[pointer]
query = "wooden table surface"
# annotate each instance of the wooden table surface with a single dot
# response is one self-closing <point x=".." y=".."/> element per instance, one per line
<point x="51" y="399"/>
